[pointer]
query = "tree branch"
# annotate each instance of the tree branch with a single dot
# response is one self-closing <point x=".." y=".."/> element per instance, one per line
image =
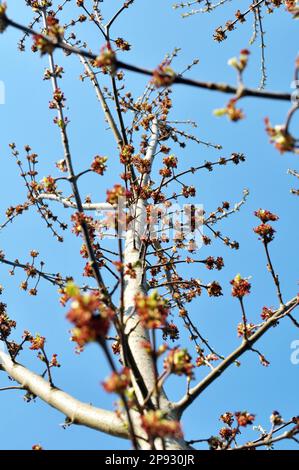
<point x="98" y="206"/>
<point x="76" y="411"/>
<point x="245" y="346"/>
<point x="221" y="87"/>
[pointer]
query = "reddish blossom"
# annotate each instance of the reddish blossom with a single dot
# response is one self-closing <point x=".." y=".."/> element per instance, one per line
<point x="241" y="287"/>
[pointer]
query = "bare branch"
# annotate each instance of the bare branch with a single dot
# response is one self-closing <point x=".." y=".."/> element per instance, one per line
<point x="245" y="346"/>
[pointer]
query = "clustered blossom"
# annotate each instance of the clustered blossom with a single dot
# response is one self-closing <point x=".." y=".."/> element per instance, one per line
<point x="241" y="286"/>
<point x="233" y="113"/>
<point x="156" y="424"/>
<point x="227" y="418"/>
<point x="276" y="418"/>
<point x="122" y="44"/>
<point x="281" y="138"/>
<point x="163" y="75"/>
<point x="89" y="314"/>
<point x="49" y="184"/>
<point x="99" y="165"/>
<point x="54" y="32"/>
<point x="244" y="418"/>
<point x="267" y="313"/>
<point x="106" y="59"/>
<point x="205" y="360"/>
<point x="126" y="154"/>
<point x="152" y="309"/>
<point x="265" y="230"/>
<point x="79" y="219"/>
<point x="214" y="289"/>
<point x="115" y="193"/>
<point x="171" y="331"/>
<point x="212" y="263"/>
<point x="178" y="362"/>
<point x="266" y="216"/>
<point x="37" y="342"/>
<point x="245" y="331"/>
<point x="6" y="324"/>
<point x="118" y="382"/>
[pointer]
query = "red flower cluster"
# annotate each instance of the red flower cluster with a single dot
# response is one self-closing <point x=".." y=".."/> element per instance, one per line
<point x="99" y="165"/>
<point x="244" y="418"/>
<point x="118" y="382"/>
<point x="152" y="309"/>
<point x="156" y="424"/>
<point x="245" y="332"/>
<point x="267" y="313"/>
<point x="283" y="141"/>
<point x="115" y="193"/>
<point x="214" y="289"/>
<point x="266" y="216"/>
<point x="107" y="58"/>
<point x="178" y="362"/>
<point x="126" y="153"/>
<point x="233" y="113"/>
<point x="89" y="314"/>
<point x="55" y="33"/>
<point x="241" y="286"/>
<point x="6" y="324"/>
<point x="264" y="230"/>
<point x="78" y="220"/>
<point x="49" y="184"/>
<point x="37" y="342"/>
<point x="212" y="263"/>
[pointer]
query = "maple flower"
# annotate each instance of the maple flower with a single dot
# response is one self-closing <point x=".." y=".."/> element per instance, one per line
<point x="99" y="165"/>
<point x="267" y="313"/>
<point x="283" y="141"/>
<point x="37" y="342"/>
<point x="244" y="418"/>
<point x="227" y="418"/>
<point x="156" y="424"/>
<point x="266" y="232"/>
<point x="106" y="58"/>
<point x="233" y="113"/>
<point x="49" y="184"/>
<point x="122" y="44"/>
<point x="118" y="382"/>
<point x="266" y="216"/>
<point x="178" y="362"/>
<point x="245" y="332"/>
<point x="152" y="309"/>
<point x="115" y="193"/>
<point x="241" y="286"/>
<point x="163" y="75"/>
<point x="90" y="316"/>
<point x="54" y="32"/>
<point x="6" y="324"/>
<point x="126" y="153"/>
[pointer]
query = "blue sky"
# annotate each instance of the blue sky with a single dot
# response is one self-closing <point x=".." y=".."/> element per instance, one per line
<point x="154" y="28"/>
